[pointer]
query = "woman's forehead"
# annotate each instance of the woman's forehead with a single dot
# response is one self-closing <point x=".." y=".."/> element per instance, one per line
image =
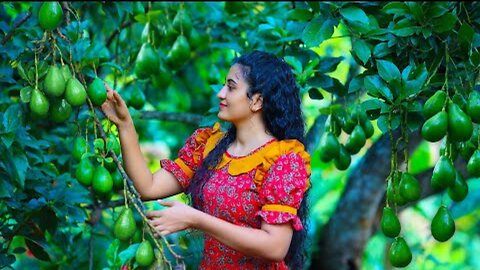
<point x="235" y="73"/>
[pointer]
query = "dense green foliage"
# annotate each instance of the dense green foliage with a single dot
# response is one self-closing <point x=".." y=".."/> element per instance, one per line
<point x="413" y="66"/>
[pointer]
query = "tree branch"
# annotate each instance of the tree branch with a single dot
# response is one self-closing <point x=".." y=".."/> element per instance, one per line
<point x="424" y="179"/>
<point x="189" y="118"/>
<point x="116" y="32"/>
<point x="312" y="138"/>
<point x="342" y="241"/>
<point x="20" y="22"/>
<point x="66" y="9"/>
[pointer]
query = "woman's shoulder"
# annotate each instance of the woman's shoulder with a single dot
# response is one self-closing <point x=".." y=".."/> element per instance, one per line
<point x="287" y="147"/>
<point x="203" y="134"/>
<point x="291" y="150"/>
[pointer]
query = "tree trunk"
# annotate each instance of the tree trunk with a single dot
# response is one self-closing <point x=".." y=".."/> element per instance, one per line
<point x="342" y="241"/>
<point x="344" y="237"/>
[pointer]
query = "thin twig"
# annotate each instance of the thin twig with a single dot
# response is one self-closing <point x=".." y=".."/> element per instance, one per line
<point x="132" y="193"/>
<point x="116" y="32"/>
<point x="189" y="118"/>
<point x="66" y="10"/>
<point x="10" y="34"/>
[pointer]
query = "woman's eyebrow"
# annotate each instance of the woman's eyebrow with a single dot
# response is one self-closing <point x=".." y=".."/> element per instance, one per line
<point x="231" y="81"/>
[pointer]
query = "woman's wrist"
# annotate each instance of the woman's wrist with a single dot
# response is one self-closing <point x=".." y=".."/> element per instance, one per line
<point x="195" y="218"/>
<point x="125" y="125"/>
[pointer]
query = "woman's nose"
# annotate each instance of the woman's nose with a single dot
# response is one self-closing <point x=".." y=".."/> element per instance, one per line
<point x="221" y="93"/>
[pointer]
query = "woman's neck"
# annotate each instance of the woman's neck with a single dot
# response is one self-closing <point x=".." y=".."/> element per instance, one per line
<point x="250" y="135"/>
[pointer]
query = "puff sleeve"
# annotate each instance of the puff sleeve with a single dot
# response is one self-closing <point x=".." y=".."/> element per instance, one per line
<point x="190" y="157"/>
<point x="283" y="189"/>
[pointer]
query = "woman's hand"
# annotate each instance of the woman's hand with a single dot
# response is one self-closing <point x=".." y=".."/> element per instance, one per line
<point x="177" y="217"/>
<point x="115" y="108"/>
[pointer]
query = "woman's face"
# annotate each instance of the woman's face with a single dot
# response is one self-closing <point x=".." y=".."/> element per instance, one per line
<point x="235" y="105"/>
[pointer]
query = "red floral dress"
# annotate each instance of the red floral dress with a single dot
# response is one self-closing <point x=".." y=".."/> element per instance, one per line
<point x="267" y="184"/>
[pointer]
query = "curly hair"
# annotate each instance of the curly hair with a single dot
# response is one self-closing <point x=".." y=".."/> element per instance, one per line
<point x="274" y="79"/>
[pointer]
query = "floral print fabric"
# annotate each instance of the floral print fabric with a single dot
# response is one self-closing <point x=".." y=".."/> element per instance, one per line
<point x="237" y="199"/>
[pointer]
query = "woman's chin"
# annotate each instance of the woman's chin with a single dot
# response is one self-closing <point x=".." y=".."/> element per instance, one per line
<point x="221" y="116"/>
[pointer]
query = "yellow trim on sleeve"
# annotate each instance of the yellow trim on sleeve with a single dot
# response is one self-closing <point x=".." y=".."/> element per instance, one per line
<point x="188" y="172"/>
<point x="280" y="208"/>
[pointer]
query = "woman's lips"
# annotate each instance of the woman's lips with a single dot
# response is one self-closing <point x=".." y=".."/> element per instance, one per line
<point x="222" y="105"/>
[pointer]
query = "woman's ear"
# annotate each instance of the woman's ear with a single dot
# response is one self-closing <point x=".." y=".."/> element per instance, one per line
<point x="257" y="102"/>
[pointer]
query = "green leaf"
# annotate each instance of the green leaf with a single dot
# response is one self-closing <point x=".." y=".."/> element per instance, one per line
<point x="475" y="59"/>
<point x="406" y="72"/>
<point x="410" y="88"/>
<point x="383" y="124"/>
<point x="314" y="93"/>
<point x="414" y="106"/>
<point x="332" y="109"/>
<point x="112" y="251"/>
<point x="329" y="64"/>
<point x="415" y="85"/>
<point x="406" y="31"/>
<point x="436" y="9"/>
<point x="378" y="34"/>
<point x="295" y="63"/>
<point x="381" y="50"/>
<point x="298" y="14"/>
<point x="141" y="18"/>
<point x="427" y="32"/>
<point x="26" y="94"/>
<point x="128" y="253"/>
<point x="395" y="8"/>
<point x="12" y="118"/>
<point x="37" y="250"/>
<point x="327" y="83"/>
<point x="113" y="66"/>
<point x="417" y="10"/>
<point x="388" y="71"/>
<point x="354" y="14"/>
<point x="99" y="144"/>
<point x="20" y="163"/>
<point x="108" y="159"/>
<point x="6" y="189"/>
<point x="444" y="23"/>
<point x="373" y="108"/>
<point x="154" y="15"/>
<point x="21" y="72"/>
<point x="7" y="138"/>
<point x="362" y="50"/>
<point x="314" y="5"/>
<point x="355" y="84"/>
<point x="465" y="35"/>
<point x="42" y="69"/>
<point x="318" y="30"/>
<point x="111" y="143"/>
<point x="19" y="250"/>
<point x="377" y="88"/>
<point x="361" y="28"/>
<point x="35" y="204"/>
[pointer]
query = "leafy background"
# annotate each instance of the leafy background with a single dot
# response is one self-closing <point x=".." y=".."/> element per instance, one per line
<point x="382" y="57"/>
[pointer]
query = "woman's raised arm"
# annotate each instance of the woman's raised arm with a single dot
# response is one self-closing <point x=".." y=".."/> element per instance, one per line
<point x="162" y="183"/>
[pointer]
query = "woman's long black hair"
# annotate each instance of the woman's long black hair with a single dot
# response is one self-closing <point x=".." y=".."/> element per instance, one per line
<point x="273" y="78"/>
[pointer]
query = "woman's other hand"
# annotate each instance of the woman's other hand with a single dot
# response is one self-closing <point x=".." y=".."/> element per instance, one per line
<point x="177" y="217"/>
<point x="115" y="108"/>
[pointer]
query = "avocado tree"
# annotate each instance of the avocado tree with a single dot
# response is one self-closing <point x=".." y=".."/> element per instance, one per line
<point x="66" y="200"/>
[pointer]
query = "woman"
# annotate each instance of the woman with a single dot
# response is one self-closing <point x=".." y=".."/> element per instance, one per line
<point x="248" y="184"/>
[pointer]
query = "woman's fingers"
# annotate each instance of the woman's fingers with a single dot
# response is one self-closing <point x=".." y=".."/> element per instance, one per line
<point x="153" y="214"/>
<point x="110" y="92"/>
<point x="107" y="87"/>
<point x="119" y="99"/>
